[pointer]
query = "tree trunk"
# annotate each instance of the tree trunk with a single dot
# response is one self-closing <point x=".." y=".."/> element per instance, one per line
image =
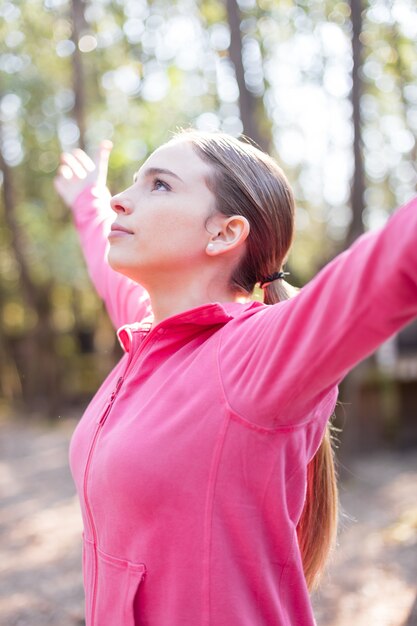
<point x="249" y="104"/>
<point x="10" y="384"/>
<point x="29" y="290"/>
<point x="37" y="364"/>
<point x="403" y="78"/>
<point x="78" y="26"/>
<point x="358" y="183"/>
<point x="362" y="410"/>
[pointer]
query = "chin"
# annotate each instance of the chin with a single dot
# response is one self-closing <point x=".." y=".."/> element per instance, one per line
<point x="119" y="265"/>
<point x="116" y="263"/>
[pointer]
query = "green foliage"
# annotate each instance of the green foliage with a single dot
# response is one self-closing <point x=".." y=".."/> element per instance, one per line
<point x="151" y="67"/>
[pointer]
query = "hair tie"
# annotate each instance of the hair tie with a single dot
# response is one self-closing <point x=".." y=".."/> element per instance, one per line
<point x="271" y="277"/>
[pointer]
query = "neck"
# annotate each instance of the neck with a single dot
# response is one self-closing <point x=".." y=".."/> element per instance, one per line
<point x="170" y="297"/>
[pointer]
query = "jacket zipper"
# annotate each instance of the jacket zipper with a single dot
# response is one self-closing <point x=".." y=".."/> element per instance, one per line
<point x="86" y="474"/>
<point x="101" y="422"/>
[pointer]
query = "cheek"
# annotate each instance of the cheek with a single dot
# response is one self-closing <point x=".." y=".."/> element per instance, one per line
<point x="174" y="246"/>
<point x="182" y="234"/>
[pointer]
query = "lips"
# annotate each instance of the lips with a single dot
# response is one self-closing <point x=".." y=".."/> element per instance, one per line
<point x="119" y="229"/>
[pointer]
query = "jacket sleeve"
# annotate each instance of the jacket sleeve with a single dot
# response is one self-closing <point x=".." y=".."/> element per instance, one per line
<point x="126" y="301"/>
<point x="283" y="360"/>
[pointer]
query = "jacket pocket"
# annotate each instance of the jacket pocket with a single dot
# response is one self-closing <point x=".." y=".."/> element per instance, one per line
<point x="118" y="582"/>
<point x="110" y="601"/>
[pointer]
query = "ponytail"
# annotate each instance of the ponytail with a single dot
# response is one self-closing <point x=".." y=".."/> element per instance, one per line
<point x="316" y="529"/>
<point x="278" y="291"/>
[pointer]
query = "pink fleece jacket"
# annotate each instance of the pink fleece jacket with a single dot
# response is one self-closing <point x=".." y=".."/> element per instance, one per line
<point x="190" y="461"/>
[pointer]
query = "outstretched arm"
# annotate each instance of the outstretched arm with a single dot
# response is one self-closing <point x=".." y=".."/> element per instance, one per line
<point x="292" y="354"/>
<point x="81" y="183"/>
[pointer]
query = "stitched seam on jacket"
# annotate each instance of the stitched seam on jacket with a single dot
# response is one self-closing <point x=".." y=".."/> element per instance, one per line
<point x="208" y="514"/>
<point x="237" y="416"/>
<point x="287" y="562"/>
<point x="325" y="401"/>
<point x="285" y="427"/>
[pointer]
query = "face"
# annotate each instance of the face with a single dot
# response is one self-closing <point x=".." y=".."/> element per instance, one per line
<point x="161" y="219"/>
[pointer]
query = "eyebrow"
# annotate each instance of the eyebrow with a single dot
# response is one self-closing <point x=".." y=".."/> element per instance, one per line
<point x="152" y="171"/>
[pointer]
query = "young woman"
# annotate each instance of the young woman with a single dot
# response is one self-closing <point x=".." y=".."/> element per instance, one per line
<point x="202" y="464"/>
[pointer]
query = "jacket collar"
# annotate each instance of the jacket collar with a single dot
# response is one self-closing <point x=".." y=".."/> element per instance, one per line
<point x="206" y="315"/>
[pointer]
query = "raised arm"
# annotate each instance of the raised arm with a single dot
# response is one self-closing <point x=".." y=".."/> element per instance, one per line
<point x="81" y="183"/>
<point x="291" y="355"/>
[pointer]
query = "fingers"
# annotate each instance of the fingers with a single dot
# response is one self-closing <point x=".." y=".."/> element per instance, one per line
<point x="71" y="164"/>
<point x="65" y="172"/>
<point x="77" y="166"/>
<point x="78" y="162"/>
<point x="102" y="161"/>
<point x="84" y="159"/>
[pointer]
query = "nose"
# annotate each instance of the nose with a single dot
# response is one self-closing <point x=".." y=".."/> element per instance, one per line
<point x="121" y="204"/>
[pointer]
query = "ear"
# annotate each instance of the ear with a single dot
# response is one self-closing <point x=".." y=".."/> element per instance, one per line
<point x="229" y="234"/>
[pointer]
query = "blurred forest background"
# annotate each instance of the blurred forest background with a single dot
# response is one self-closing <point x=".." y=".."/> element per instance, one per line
<point x="329" y="88"/>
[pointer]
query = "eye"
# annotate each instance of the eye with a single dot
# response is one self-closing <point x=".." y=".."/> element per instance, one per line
<point x="158" y="184"/>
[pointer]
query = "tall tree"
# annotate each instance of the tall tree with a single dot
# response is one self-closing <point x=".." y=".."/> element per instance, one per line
<point x="250" y="105"/>
<point x="37" y="364"/>
<point x="356" y="227"/>
<point x="78" y="78"/>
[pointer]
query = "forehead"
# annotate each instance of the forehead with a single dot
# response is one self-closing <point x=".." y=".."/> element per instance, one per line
<point x="180" y="157"/>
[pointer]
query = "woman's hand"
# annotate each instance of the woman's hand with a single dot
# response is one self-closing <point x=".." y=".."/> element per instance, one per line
<point x="77" y="172"/>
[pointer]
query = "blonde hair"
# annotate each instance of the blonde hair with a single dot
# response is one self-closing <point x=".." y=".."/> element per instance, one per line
<point x="246" y="181"/>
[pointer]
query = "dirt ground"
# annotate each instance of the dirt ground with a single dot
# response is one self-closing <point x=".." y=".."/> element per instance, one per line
<point x="372" y="579"/>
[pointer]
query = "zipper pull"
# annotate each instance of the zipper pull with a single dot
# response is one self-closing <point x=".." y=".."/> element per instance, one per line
<point x="112" y="398"/>
<point x="118" y="385"/>
<point x="116" y="389"/>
